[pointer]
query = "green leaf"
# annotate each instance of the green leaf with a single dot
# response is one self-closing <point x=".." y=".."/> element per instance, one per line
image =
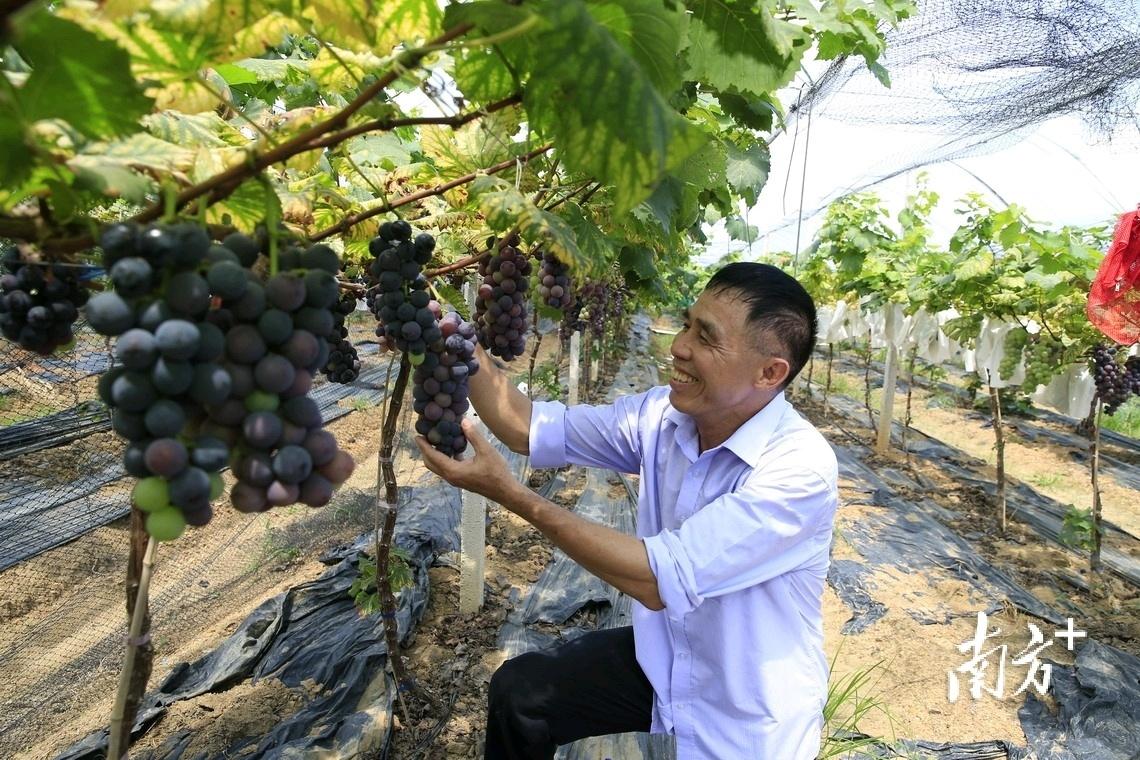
<point x="751" y="112"/>
<point x="77" y="77"/>
<point x="482" y="76"/>
<point x="974" y="266"/>
<point x="504" y="207"/>
<point x="234" y="74"/>
<point x="552" y="313"/>
<point x="637" y="260"/>
<point x="601" y="108"/>
<point x="383" y="150"/>
<point x="652" y="32"/>
<point x="735" y="45"/>
<point x="112" y="181"/>
<point x="452" y="297"/>
<point x="738" y="229"/>
<point x="747" y="170"/>
<point x="596" y="248"/>
<point x="199" y="130"/>
<point x="277" y="71"/>
<point x="143" y="150"/>
<point x="15" y="158"/>
<point x="490" y="16"/>
<point x="249" y="205"/>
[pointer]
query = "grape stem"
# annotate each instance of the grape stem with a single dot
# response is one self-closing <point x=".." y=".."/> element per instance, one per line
<point x="132" y="685"/>
<point x="387" y="503"/>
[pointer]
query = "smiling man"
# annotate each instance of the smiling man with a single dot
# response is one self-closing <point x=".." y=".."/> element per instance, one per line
<point x="735" y="509"/>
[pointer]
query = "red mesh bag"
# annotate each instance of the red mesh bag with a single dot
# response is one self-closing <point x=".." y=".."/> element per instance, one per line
<point x="1114" y="298"/>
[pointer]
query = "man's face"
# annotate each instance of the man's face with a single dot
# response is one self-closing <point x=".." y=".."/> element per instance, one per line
<point x="717" y="362"/>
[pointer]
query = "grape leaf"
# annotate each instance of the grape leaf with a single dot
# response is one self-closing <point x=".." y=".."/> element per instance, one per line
<point x="735" y="45"/>
<point x="249" y="205"/>
<point x="504" y="207"/>
<point x="383" y="150"/>
<point x="738" y="229"/>
<point x="110" y="180"/>
<point x="15" y="158"/>
<point x="601" y="108"/>
<point x="198" y="130"/>
<point x="452" y="297"/>
<point x="596" y="248"/>
<point x="234" y="74"/>
<point x="637" y="260"/>
<point x="651" y="32"/>
<point x="77" y="77"/>
<point x="751" y="112"/>
<point x="747" y="170"/>
<point x="482" y="76"/>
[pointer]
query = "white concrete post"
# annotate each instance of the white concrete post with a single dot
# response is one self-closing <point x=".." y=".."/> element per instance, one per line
<point x="472" y="547"/>
<point x="883" y="442"/>
<point x="575" y="365"/>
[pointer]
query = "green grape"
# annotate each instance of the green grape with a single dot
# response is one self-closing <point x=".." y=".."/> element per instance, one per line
<point x="165" y="524"/>
<point x="1014" y="345"/>
<point x="217" y="485"/>
<point x="262" y="401"/>
<point x="151" y="494"/>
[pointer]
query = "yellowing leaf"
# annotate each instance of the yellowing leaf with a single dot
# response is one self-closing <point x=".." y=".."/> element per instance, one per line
<point x="402" y="21"/>
<point x="263" y="34"/>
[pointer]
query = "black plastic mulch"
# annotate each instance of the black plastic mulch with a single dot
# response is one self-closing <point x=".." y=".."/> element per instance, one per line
<point x="313" y="640"/>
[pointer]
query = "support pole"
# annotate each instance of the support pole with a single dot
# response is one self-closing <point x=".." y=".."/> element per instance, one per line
<point x="473" y="551"/>
<point x="575" y="365"/>
<point x="887" y="408"/>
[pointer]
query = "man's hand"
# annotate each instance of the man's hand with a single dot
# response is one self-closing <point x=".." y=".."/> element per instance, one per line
<point x="486" y="473"/>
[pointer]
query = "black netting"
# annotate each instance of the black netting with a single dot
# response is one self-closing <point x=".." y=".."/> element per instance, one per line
<point x="64" y="541"/>
<point x="969" y="77"/>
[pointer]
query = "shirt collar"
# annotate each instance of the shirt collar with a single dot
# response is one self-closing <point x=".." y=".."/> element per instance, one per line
<point x="747" y="442"/>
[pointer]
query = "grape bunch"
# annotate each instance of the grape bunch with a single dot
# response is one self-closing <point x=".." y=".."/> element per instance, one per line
<point x="1132" y="374"/>
<point x="571" y="320"/>
<point x="39" y="303"/>
<point x="501" y="304"/>
<point x="211" y="365"/>
<point x="439" y="395"/>
<point x="595" y="299"/>
<point x="344" y="363"/>
<point x="1113" y="382"/>
<point x="554" y="282"/>
<point x="277" y="339"/>
<point x="401" y="299"/>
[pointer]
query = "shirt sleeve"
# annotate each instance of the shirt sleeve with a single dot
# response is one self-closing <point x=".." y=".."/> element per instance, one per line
<point x="596" y="436"/>
<point x="780" y="520"/>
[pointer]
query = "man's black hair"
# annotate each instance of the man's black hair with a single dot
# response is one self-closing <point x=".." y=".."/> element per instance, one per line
<point x="777" y="306"/>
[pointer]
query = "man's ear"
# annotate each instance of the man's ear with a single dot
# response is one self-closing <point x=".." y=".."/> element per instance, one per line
<point x="772" y="372"/>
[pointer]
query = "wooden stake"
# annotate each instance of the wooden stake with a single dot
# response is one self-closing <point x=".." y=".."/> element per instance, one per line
<point x="1094" y="556"/>
<point x="995" y="409"/>
<point x="122" y="718"/>
<point x="887" y="409"/>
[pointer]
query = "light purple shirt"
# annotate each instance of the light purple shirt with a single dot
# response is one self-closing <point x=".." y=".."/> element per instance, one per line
<point x="738" y="538"/>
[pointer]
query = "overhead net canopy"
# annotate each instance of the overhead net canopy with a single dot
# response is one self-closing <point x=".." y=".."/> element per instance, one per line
<point x="968" y="77"/>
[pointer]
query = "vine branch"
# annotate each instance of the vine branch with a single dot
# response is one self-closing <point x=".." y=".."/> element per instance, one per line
<point x="221" y="185"/>
<point x="352" y="220"/>
<point x="386" y="125"/>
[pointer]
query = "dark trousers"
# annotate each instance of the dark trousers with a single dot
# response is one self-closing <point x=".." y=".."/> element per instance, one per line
<point x="590" y="686"/>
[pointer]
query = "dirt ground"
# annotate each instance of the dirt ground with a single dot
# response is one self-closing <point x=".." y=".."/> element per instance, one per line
<point x="453" y="655"/>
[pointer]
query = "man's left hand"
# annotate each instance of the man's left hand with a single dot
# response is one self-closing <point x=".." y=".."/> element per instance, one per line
<point x="486" y="473"/>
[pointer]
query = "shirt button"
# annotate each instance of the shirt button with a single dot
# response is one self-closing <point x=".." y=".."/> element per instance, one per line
<point x="682" y="655"/>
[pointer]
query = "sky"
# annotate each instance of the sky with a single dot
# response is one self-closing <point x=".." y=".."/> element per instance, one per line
<point x="1061" y="172"/>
